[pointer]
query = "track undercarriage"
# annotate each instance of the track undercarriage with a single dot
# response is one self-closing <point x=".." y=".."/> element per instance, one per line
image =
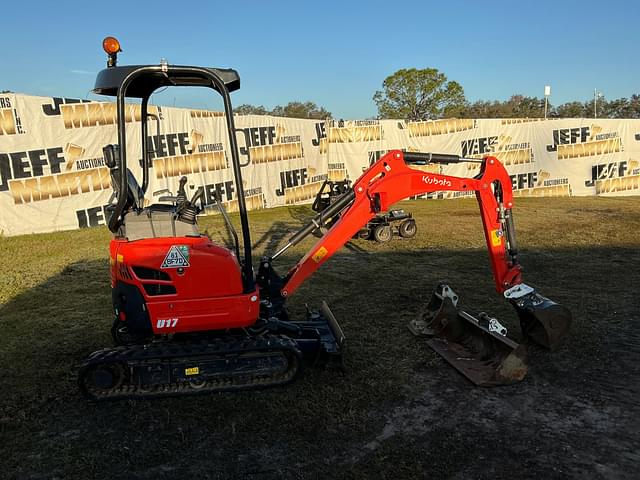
<point x="272" y="353"/>
<point x="166" y="368"/>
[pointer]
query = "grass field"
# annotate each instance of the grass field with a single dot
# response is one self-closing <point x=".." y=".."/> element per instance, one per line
<point x="399" y="411"/>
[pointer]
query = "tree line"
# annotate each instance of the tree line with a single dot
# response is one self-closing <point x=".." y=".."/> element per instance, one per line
<point x="414" y="94"/>
<point x="427" y="94"/>
<point x="519" y="106"/>
<point x="292" y="109"/>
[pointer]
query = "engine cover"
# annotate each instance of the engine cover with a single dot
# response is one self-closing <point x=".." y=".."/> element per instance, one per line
<point x="185" y="284"/>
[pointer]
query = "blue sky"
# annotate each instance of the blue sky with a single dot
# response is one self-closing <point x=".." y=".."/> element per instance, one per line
<point x="333" y="53"/>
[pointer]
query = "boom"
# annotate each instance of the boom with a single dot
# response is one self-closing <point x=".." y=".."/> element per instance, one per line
<point x="390" y="180"/>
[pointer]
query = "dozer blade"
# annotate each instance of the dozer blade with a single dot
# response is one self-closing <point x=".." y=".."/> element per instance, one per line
<point x="542" y="320"/>
<point x="476" y="347"/>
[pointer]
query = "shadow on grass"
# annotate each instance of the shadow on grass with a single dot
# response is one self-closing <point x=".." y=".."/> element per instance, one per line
<point x="397" y="400"/>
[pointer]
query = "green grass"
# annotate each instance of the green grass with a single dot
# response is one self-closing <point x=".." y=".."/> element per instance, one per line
<point x="398" y="412"/>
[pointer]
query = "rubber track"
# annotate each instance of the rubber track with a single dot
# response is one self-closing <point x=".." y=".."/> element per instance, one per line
<point x="195" y="351"/>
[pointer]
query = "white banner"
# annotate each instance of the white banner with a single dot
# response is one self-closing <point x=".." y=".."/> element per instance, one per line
<point x="53" y="177"/>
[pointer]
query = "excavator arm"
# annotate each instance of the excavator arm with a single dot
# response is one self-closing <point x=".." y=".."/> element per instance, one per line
<point x="390" y="180"/>
<point x="393" y="178"/>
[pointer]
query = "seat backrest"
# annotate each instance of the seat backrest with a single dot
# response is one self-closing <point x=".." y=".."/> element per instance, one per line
<point x="135" y="194"/>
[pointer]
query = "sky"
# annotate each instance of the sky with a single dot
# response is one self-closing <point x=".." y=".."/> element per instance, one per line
<point x="334" y="53"/>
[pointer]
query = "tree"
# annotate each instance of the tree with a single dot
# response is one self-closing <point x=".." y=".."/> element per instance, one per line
<point x="518" y="106"/>
<point x="291" y="109"/>
<point x="619" y="108"/>
<point x="570" y="110"/>
<point x="484" y="109"/>
<point x="533" y="107"/>
<point x="301" y="110"/>
<point x="246" y="109"/>
<point x="414" y="94"/>
<point x="527" y="107"/>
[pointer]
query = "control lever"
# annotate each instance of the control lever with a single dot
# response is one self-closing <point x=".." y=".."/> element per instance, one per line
<point x="181" y="196"/>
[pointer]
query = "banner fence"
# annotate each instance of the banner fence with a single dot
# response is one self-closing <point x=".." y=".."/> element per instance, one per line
<point x="53" y="175"/>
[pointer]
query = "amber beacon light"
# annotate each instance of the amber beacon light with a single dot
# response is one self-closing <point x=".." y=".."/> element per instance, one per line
<point x="111" y="45"/>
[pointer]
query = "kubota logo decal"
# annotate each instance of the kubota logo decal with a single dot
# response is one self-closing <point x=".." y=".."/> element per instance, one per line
<point x="442" y="182"/>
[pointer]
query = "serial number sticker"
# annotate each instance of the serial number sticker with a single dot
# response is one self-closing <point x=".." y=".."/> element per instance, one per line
<point x="320" y="254"/>
<point x="192" y="371"/>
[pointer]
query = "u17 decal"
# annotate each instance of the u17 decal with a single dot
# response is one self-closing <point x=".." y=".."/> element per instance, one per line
<point x="166" y="323"/>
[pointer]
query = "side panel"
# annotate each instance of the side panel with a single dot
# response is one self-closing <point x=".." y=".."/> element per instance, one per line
<point x="204" y="314"/>
<point x="187" y="284"/>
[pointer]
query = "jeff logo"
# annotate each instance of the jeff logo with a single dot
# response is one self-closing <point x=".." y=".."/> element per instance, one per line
<point x="271" y="144"/>
<point x="479" y="146"/>
<point x="584" y="142"/>
<point x="299" y="185"/>
<point x="539" y="184"/>
<point x="615" y="177"/>
<point x="568" y="136"/>
<point x="178" y="256"/>
<point x="604" y="171"/>
<point x="258" y="136"/>
<point x="503" y="147"/>
<point x="291" y="178"/>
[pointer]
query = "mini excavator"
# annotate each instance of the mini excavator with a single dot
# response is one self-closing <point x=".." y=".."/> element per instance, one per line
<point x="191" y="316"/>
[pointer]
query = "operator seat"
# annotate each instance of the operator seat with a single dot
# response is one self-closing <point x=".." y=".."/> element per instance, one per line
<point x="135" y="195"/>
<point x="138" y="222"/>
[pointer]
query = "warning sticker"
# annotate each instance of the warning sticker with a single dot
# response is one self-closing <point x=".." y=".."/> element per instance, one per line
<point x="320" y="254"/>
<point x="178" y="256"/>
<point x="496" y="238"/>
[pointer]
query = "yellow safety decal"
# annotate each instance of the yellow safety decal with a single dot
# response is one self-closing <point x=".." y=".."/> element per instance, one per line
<point x="120" y="258"/>
<point x="320" y="254"/>
<point x="496" y="238"/>
<point x="192" y="371"/>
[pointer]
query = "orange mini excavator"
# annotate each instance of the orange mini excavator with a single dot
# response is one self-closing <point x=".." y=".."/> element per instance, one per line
<point x="191" y="316"/>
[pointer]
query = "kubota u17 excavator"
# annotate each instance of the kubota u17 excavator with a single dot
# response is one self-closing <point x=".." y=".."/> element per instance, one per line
<point x="192" y="317"/>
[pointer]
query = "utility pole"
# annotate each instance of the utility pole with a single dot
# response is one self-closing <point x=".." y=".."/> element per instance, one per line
<point x="596" y="95"/>
<point x="547" y="94"/>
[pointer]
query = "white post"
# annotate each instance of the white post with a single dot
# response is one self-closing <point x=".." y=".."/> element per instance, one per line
<point x="547" y="94"/>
